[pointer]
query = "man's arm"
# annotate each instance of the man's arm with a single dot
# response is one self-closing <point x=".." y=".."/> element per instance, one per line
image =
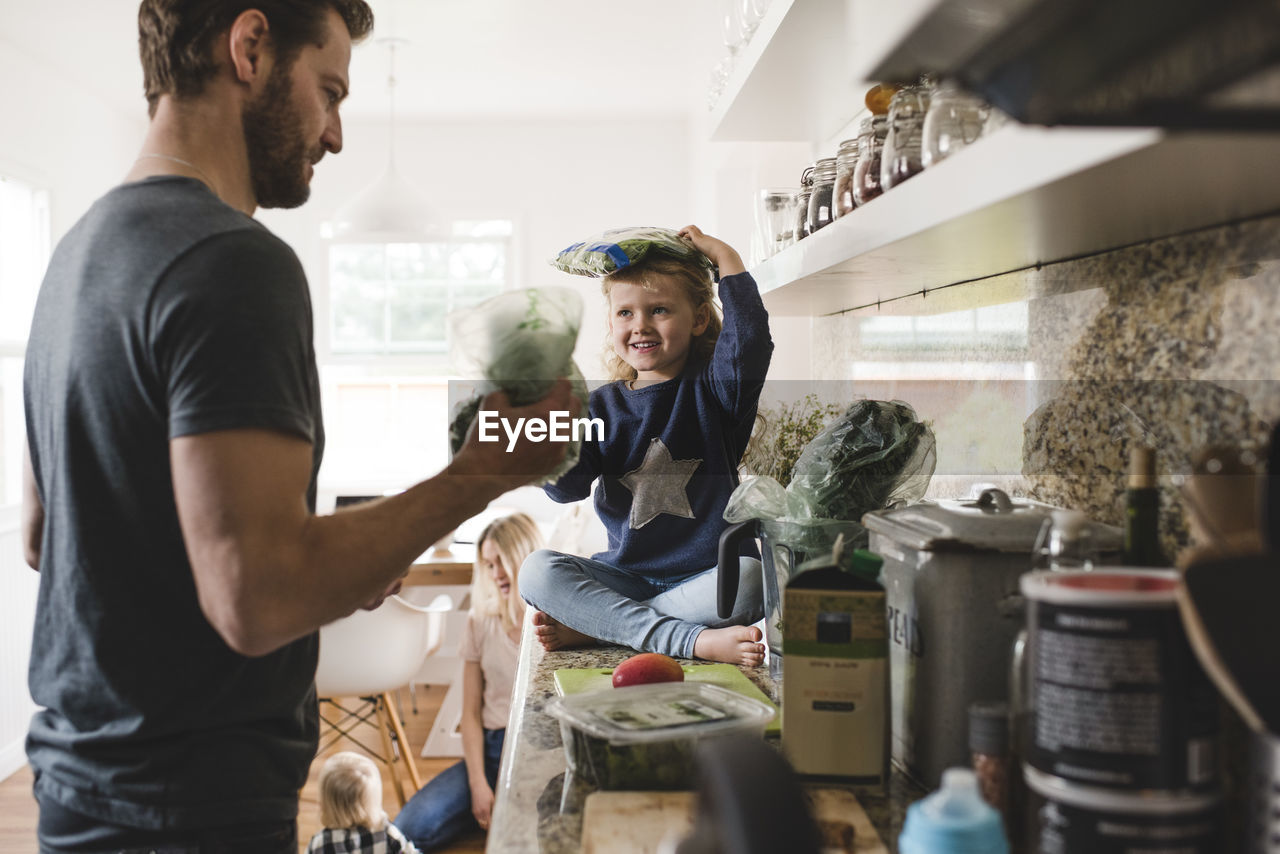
<point x="32" y="512"/>
<point x="268" y="571"/>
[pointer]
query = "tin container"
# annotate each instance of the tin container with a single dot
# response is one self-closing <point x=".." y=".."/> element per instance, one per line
<point x="1070" y="818"/>
<point x="1264" y="795"/>
<point x="951" y="571"/>
<point x="1116" y="698"/>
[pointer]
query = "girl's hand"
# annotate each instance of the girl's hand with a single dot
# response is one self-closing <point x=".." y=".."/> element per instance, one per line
<point x="482" y="803"/>
<point x="722" y="254"/>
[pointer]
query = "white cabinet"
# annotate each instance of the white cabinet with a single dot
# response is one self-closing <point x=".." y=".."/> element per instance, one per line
<point x="1023" y="196"/>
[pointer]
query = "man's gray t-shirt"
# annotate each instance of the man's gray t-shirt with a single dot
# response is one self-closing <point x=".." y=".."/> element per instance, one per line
<point x="164" y="313"/>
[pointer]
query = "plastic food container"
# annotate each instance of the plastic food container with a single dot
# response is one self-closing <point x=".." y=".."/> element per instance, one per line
<point x="645" y="736"/>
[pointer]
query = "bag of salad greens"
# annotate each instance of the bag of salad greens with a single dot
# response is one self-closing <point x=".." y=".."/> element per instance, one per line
<point x="617" y="248"/>
<point x="520" y="342"/>
<point x="875" y="456"/>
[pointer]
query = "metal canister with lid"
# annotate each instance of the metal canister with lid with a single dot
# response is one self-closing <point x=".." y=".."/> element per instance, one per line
<point x="951" y="577"/>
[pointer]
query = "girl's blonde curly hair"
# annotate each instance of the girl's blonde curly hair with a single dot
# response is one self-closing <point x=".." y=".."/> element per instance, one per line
<point x="694" y="280"/>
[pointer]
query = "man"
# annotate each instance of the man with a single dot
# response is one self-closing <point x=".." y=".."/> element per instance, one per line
<point x="174" y="434"/>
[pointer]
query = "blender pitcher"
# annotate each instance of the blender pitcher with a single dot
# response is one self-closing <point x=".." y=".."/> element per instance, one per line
<point x="785" y="544"/>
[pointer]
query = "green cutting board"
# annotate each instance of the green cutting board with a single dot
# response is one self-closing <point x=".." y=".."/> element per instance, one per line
<point x="582" y="680"/>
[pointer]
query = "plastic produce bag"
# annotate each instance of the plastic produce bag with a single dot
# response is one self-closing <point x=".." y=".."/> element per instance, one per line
<point x="617" y="248"/>
<point x="875" y="456"/>
<point x="520" y="342"/>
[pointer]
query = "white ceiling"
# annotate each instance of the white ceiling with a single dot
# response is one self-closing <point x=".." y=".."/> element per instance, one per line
<point x="464" y="58"/>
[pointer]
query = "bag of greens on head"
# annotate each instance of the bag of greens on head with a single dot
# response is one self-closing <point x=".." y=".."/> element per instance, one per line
<point x="617" y="248"/>
<point x="520" y="342"/>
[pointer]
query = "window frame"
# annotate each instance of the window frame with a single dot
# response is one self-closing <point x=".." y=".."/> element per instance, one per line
<point x="428" y="364"/>
<point x="13" y="443"/>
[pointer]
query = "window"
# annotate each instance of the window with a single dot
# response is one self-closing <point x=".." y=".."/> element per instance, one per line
<point x="24" y="253"/>
<point x="393" y="298"/>
<point x="386" y="379"/>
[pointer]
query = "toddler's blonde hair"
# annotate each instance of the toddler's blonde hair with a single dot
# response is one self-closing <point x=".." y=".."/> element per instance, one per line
<point x="515" y="537"/>
<point x="351" y="792"/>
<point x="693" y="279"/>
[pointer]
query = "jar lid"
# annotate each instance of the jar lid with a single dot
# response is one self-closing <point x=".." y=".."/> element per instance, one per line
<point x="989" y="727"/>
<point x="993" y="521"/>
<point x="848" y="146"/>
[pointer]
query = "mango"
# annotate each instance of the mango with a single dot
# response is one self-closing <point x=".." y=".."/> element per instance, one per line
<point x="645" y="668"/>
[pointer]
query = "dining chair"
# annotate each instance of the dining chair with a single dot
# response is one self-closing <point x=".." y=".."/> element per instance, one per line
<point x="364" y="659"/>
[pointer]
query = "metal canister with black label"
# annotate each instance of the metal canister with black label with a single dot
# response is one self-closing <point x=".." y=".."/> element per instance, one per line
<point x="1116" y="698"/>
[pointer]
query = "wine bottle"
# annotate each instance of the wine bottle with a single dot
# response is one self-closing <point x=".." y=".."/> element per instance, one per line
<point x="1142" y="511"/>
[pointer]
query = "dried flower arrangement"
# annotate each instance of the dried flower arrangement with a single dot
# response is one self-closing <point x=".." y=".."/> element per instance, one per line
<point x="781" y="433"/>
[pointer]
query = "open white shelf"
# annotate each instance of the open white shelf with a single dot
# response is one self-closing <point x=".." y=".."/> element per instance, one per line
<point x="1020" y="197"/>
<point x="803" y="75"/>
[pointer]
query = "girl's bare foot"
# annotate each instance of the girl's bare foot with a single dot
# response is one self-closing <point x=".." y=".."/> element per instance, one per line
<point x="731" y="644"/>
<point x="554" y="635"/>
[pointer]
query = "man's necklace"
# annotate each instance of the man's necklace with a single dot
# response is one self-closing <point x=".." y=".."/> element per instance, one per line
<point x="186" y="163"/>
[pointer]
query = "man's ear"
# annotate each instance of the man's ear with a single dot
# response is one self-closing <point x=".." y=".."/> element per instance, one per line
<point x="701" y="318"/>
<point x="247" y="40"/>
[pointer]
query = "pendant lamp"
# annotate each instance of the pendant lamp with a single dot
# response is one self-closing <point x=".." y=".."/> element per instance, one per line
<point x="390" y="208"/>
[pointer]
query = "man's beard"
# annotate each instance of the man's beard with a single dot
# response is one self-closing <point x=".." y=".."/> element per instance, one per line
<point x="277" y="149"/>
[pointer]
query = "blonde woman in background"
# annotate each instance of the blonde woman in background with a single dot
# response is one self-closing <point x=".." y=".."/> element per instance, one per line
<point x="461" y="797"/>
<point x="351" y="810"/>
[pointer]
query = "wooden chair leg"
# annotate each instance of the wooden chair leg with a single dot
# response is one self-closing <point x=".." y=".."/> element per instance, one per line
<point x="384" y="727"/>
<point x="405" y="753"/>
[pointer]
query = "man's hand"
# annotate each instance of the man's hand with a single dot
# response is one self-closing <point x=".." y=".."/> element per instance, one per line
<point x="526" y="461"/>
<point x="724" y="256"/>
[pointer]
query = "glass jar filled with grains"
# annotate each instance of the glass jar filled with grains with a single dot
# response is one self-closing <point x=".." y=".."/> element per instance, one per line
<point x="866" y="173"/>
<point x="846" y="160"/>
<point x="802" y="203"/>
<point x="902" y="156"/>
<point x="820" y="200"/>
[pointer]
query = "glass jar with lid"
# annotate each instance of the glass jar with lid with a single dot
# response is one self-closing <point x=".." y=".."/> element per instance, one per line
<point x="846" y="160"/>
<point x="866" y="172"/>
<point x="955" y="119"/>
<point x="902" y="155"/>
<point x="776" y="218"/>
<point x="802" y="203"/>
<point x="820" y="200"/>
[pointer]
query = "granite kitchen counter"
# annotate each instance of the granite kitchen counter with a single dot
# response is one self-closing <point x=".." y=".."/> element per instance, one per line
<point x="536" y="812"/>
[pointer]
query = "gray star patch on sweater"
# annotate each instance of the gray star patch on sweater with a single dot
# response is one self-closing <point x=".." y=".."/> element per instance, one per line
<point x="658" y="485"/>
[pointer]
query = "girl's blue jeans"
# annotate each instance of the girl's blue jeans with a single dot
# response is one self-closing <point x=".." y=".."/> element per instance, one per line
<point x="646" y="614"/>
<point x="441" y="810"/>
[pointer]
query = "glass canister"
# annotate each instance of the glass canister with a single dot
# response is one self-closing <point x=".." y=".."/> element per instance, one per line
<point x="776" y="218"/>
<point x="955" y="119"/>
<point x="821" y="199"/>
<point x="802" y="203"/>
<point x="846" y="160"/>
<point x="902" y="142"/>
<point x="866" y="172"/>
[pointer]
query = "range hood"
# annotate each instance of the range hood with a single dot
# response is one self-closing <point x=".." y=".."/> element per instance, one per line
<point x="1186" y="64"/>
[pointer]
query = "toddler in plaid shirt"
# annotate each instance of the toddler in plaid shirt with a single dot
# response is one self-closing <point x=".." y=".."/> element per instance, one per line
<point x="351" y="810"/>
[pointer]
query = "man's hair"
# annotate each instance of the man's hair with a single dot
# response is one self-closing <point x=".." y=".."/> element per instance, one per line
<point x="176" y="37"/>
<point x="350" y="792"/>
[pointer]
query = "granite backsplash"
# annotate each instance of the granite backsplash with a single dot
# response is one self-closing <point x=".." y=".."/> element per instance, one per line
<point x="1040" y="380"/>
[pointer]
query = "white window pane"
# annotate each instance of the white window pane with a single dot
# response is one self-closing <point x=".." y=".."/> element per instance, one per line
<point x="24" y="253"/>
<point x="12" y="430"/>
<point x="478" y="261"/>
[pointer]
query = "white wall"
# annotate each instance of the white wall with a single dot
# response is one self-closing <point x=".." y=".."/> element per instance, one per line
<point x="560" y="180"/>
<point x="74" y="144"/>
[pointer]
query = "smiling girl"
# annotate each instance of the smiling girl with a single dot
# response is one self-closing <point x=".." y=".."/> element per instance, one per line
<point x="461" y="797"/>
<point x="677" y="416"/>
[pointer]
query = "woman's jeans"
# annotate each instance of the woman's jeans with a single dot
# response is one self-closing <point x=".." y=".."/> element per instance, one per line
<point x="441" y="810"/>
<point x="647" y="614"/>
